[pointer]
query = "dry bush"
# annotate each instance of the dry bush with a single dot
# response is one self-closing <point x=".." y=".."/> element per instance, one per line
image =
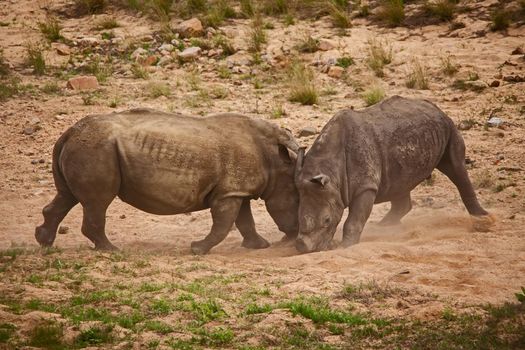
<point x="392" y="12"/>
<point x="308" y="44"/>
<point x="379" y="55"/>
<point x="90" y="6"/>
<point x="338" y="11"/>
<point x="257" y="34"/>
<point x="442" y="9"/>
<point x="500" y="20"/>
<point x="373" y="95"/>
<point x="35" y="58"/>
<point x="448" y="67"/>
<point x="418" y="76"/>
<point x="106" y="23"/>
<point x="51" y="29"/>
<point x="302" y="85"/>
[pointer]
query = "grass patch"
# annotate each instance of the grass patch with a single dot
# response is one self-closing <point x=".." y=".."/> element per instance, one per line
<point x="47" y="335"/>
<point x="448" y="67"/>
<point x="320" y="312"/>
<point x="373" y="95"/>
<point x="253" y="309"/>
<point x="308" y="44"/>
<point x="90" y="6"/>
<point x="392" y="12"/>
<point x="107" y="23"/>
<point x="222" y="42"/>
<point x="139" y="72"/>
<point x="257" y="35"/>
<point x="500" y="20"/>
<point x="50" y="29"/>
<point x="442" y="9"/>
<point x="339" y="16"/>
<point x="380" y="54"/>
<point x="247" y="8"/>
<point x="206" y="311"/>
<point x="35" y="58"/>
<point x="275" y="7"/>
<point x="101" y="70"/>
<point x="302" y="85"/>
<point x="50" y="88"/>
<point x="6" y="332"/>
<point x="345" y="61"/>
<point x="158" y="327"/>
<point x="418" y="77"/>
<point x="219" y="336"/>
<point x="157" y="89"/>
<point x="9" y="88"/>
<point x="4" y="67"/>
<point x="161" y="306"/>
<point x="94" y="336"/>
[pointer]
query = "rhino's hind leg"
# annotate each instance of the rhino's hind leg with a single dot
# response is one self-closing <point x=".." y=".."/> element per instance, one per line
<point x="223" y="213"/>
<point x="400" y="206"/>
<point x="453" y="166"/>
<point x="246" y="226"/>
<point x="93" y="226"/>
<point x="54" y="213"/>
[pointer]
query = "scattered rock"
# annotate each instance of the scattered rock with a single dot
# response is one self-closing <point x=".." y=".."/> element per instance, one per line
<point x="190" y="53"/>
<point x="122" y="216"/>
<point x="327" y="44"/>
<point x="166" y="47"/>
<point x="495" y="83"/>
<point x="140" y="52"/>
<point x="476" y="85"/>
<point x="150" y="60"/>
<point x="517" y="51"/>
<point x="83" y="83"/>
<point x="89" y="41"/>
<point x="465" y="125"/>
<point x="165" y="60"/>
<point x="336" y="72"/>
<point x="239" y="58"/>
<point x="190" y="28"/>
<point x="514" y="78"/>
<point x="30" y="130"/>
<point x="307" y="131"/>
<point x="498" y="76"/>
<point x="61" y="49"/>
<point x="62" y="230"/>
<point x="495" y="122"/>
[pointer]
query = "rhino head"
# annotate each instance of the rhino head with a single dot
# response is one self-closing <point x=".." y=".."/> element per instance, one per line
<point x="320" y="208"/>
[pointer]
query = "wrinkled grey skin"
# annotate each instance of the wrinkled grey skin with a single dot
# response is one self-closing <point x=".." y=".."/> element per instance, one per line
<point x="167" y="164"/>
<point x="375" y="155"/>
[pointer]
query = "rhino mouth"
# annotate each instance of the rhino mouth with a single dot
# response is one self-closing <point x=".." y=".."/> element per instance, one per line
<point x="305" y="244"/>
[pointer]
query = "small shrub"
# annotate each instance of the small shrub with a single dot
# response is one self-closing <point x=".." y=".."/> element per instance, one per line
<point x="50" y="88"/>
<point x="392" y="12"/>
<point x="278" y="112"/>
<point x="302" y="85"/>
<point x="224" y="72"/>
<point x="345" y="61"/>
<point x="161" y="9"/>
<point x="4" y="67"/>
<point x="225" y="44"/>
<point x="521" y="295"/>
<point x="9" y="88"/>
<point x="257" y="34"/>
<point x="379" y="55"/>
<point x="418" y="77"/>
<point x="448" y="67"/>
<point x="90" y="6"/>
<point x="373" y="95"/>
<point x="196" y="6"/>
<point x="483" y="179"/>
<point x="500" y="20"/>
<point x="275" y="7"/>
<point x="48" y="335"/>
<point x="35" y="58"/>
<point x="139" y="72"/>
<point x="247" y="8"/>
<point x="441" y="9"/>
<point x="99" y="69"/>
<point x="107" y="23"/>
<point x="339" y="15"/>
<point x="51" y="29"/>
<point x="94" y="336"/>
<point x="218" y="13"/>
<point x="6" y="331"/>
<point x="157" y="89"/>
<point x="202" y="43"/>
<point x="308" y="44"/>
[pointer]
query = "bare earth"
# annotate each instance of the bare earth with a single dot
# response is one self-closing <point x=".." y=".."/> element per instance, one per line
<point x="434" y="255"/>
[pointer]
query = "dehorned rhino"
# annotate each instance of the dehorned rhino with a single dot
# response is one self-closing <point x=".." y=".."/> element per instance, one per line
<point x="164" y="163"/>
<point x="376" y="155"/>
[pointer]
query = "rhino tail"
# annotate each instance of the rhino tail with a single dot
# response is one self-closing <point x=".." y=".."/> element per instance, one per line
<point x="60" y="181"/>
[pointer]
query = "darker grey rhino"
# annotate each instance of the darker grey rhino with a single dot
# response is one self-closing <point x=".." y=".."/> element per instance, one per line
<point x="376" y="155"/>
<point x="165" y="164"/>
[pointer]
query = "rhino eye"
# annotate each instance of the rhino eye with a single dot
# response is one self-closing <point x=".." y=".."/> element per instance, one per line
<point x="326" y="220"/>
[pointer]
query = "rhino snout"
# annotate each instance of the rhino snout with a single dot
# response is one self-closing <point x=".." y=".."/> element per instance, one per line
<point x="304" y="244"/>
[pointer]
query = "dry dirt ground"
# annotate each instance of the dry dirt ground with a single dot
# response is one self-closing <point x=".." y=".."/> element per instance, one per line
<point x="425" y="284"/>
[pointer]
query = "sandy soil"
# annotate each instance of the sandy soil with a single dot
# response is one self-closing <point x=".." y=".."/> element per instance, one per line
<point x="434" y="250"/>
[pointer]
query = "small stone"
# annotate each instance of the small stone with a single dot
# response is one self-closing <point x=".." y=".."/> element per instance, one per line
<point x="165" y="60"/>
<point x="517" y="51"/>
<point x="514" y="78"/>
<point x="465" y="125"/>
<point x="41" y="160"/>
<point x="476" y="85"/>
<point x="494" y="83"/>
<point x="495" y="122"/>
<point x="166" y="47"/>
<point x="190" y="53"/>
<point x="190" y="28"/>
<point x="150" y="60"/>
<point x="83" y="83"/>
<point x="147" y="38"/>
<point x="122" y="216"/>
<point x="336" y="72"/>
<point x="498" y="76"/>
<point x="138" y="53"/>
<point x="61" y="49"/>
<point x="327" y="44"/>
<point x="30" y="130"/>
<point x="89" y="41"/>
<point x="34" y="161"/>
<point x="62" y="230"/>
<point x="307" y="131"/>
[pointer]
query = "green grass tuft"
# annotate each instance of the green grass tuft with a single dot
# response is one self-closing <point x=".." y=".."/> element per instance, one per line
<point x="302" y="85"/>
<point x="51" y="29"/>
<point x="373" y="95"/>
<point x="392" y="12"/>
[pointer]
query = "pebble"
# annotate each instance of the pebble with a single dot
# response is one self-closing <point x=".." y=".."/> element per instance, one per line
<point x="495" y="122"/>
<point x="307" y="131"/>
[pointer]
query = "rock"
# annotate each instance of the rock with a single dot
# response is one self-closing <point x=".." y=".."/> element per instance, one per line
<point x="165" y="60"/>
<point x="190" y="28"/>
<point x="498" y="76"/>
<point x="327" y="44"/>
<point x="514" y="78"/>
<point x="190" y="53"/>
<point x="307" y="131"/>
<point x="83" y="83"/>
<point x="61" y="49"/>
<point x="31" y="129"/>
<point x="517" y="51"/>
<point x="34" y="161"/>
<point x="240" y="58"/>
<point x="89" y="41"/>
<point x="476" y="85"/>
<point x="147" y="38"/>
<point x="62" y="230"/>
<point x="495" y="83"/>
<point x="166" y="47"/>
<point x="150" y="60"/>
<point x="495" y="122"/>
<point x="465" y="125"/>
<point x="138" y="53"/>
<point x="336" y="72"/>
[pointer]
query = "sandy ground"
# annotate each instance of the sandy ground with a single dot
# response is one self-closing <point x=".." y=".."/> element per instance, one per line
<point x="433" y="251"/>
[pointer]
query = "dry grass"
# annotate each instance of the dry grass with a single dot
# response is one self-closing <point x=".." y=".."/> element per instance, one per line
<point x="373" y="95"/>
<point x="51" y="29"/>
<point x="302" y="85"/>
<point x="107" y="23"/>
<point x="339" y="14"/>
<point x="156" y="89"/>
<point x="500" y="20"/>
<point x="380" y="53"/>
<point x="308" y="44"/>
<point x="441" y="9"/>
<point x="257" y="35"/>
<point x="448" y="67"/>
<point x="35" y="58"/>
<point x="418" y="76"/>
<point x="392" y="12"/>
<point x="90" y="6"/>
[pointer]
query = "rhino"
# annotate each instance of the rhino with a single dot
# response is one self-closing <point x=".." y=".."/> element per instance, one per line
<point x="165" y="163"/>
<point x="378" y="154"/>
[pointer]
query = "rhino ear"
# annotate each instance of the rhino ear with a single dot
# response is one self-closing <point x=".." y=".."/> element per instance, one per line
<point x="321" y="179"/>
<point x="284" y="154"/>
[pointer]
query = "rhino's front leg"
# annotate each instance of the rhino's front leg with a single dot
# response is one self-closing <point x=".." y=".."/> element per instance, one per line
<point x="360" y="210"/>
<point x="223" y="213"/>
<point x="246" y="226"/>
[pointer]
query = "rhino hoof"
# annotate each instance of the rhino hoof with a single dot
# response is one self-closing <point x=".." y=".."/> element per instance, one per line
<point x="258" y="243"/>
<point x="106" y="247"/>
<point x="482" y="223"/>
<point x="199" y="248"/>
<point x="345" y="243"/>
<point x="43" y="237"/>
